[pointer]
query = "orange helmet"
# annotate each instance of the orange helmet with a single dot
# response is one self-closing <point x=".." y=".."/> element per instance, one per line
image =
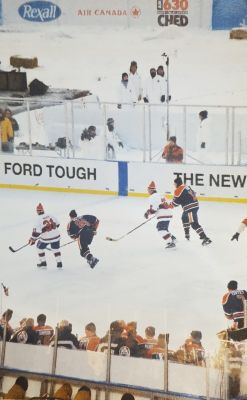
<point x="151" y="186"/>
<point x="40" y="209"/>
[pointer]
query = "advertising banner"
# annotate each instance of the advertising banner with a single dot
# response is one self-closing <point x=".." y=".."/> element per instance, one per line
<point x="219" y="183"/>
<point x="41" y="173"/>
<point x="118" y="13"/>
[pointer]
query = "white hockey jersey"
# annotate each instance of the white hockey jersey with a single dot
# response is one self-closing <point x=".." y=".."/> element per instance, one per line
<point x="154" y="201"/>
<point x="45" y="229"/>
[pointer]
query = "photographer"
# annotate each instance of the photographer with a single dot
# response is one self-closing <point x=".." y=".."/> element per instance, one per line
<point x="173" y="153"/>
<point x="88" y="133"/>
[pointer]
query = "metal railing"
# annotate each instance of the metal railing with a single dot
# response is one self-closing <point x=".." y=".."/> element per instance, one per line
<point x="142" y="128"/>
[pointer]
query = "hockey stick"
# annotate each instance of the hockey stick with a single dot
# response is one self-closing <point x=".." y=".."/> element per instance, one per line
<point x="132" y="230"/>
<point x="15" y="250"/>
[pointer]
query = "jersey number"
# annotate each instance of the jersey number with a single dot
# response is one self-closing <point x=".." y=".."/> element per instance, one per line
<point x="49" y="225"/>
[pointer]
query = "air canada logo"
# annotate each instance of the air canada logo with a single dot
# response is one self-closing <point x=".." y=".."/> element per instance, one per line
<point x="172" y="12"/>
<point x="39" y="11"/>
<point x="135" y="12"/>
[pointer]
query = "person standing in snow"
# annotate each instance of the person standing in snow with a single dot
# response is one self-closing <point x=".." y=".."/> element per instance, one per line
<point x="113" y="141"/>
<point x="136" y="82"/>
<point x="126" y="91"/>
<point x="154" y="91"/>
<point x="157" y="205"/>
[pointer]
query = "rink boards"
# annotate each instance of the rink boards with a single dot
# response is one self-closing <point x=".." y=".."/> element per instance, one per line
<point x="211" y="183"/>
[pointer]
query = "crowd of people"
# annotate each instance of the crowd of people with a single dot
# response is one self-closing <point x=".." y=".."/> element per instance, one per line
<point x="124" y="339"/>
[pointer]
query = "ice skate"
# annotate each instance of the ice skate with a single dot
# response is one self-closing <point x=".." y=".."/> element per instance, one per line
<point x="173" y="238"/>
<point x="42" y="264"/>
<point x="170" y="245"/>
<point x="59" y="264"/>
<point x="92" y="262"/>
<point x="206" y="241"/>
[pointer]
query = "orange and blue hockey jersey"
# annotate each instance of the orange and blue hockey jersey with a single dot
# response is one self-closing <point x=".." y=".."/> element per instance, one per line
<point x="233" y="305"/>
<point x="184" y="196"/>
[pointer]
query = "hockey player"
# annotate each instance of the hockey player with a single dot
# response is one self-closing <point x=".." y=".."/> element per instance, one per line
<point x="184" y="196"/>
<point x="45" y="233"/>
<point x="159" y="206"/>
<point x="83" y="228"/>
<point x="233" y="304"/>
<point x="241" y="228"/>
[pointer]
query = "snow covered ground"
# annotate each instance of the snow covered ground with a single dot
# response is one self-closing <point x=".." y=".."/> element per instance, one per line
<point x="176" y="291"/>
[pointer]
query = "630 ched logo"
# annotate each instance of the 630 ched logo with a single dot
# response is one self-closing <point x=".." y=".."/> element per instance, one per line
<point x="172" y="12"/>
<point x="39" y="11"/>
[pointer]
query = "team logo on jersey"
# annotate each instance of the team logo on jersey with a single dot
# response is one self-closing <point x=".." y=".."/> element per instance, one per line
<point x="22" y="337"/>
<point x="124" y="351"/>
<point x="39" y="11"/>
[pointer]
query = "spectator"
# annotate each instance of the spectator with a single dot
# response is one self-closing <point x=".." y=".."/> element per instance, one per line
<point x="26" y="334"/>
<point x="233" y="304"/>
<point x="136" y="82"/>
<point x="154" y="91"/>
<point x="91" y="340"/>
<point x="14" y="123"/>
<point x="89" y="134"/>
<point x="84" y="393"/>
<point x="7" y="135"/>
<point x="162" y="80"/>
<point x="113" y="140"/>
<point x="45" y="332"/>
<point x="64" y="392"/>
<point x="192" y="351"/>
<point x="120" y="345"/>
<point x="6" y="317"/>
<point x="65" y="337"/>
<point x="158" y="349"/>
<point x="127" y="396"/>
<point x="203" y="139"/>
<point x="150" y="335"/>
<point x="18" y="390"/>
<point x="126" y="91"/>
<point x="172" y="153"/>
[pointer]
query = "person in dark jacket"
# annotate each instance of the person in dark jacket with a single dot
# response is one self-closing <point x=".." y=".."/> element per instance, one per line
<point x="65" y="336"/>
<point x="172" y="153"/>
<point x="18" y="390"/>
<point x="185" y="197"/>
<point x="233" y="304"/>
<point x="26" y="334"/>
<point x="83" y="228"/>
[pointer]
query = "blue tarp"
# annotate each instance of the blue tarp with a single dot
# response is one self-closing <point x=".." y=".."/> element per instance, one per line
<point x="228" y="14"/>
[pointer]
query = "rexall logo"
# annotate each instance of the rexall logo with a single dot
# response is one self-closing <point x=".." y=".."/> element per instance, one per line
<point x="39" y="11"/>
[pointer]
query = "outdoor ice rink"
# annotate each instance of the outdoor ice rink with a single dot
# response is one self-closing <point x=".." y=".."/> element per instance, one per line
<point x="176" y="291"/>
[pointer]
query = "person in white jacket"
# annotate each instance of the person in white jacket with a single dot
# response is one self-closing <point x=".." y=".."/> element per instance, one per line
<point x="126" y="92"/>
<point x="154" y="89"/>
<point x="136" y="82"/>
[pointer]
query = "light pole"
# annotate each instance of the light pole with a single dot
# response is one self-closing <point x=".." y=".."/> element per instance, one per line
<point x="166" y="62"/>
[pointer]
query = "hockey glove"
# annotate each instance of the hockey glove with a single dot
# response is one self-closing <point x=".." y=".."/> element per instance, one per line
<point x="119" y="106"/>
<point x="145" y="99"/>
<point x="163" y="98"/>
<point x="203" y="145"/>
<point x="146" y="215"/>
<point x="235" y="236"/>
<point x="31" y="241"/>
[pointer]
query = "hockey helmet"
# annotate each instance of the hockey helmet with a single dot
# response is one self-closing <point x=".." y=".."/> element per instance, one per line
<point x="110" y="121"/>
<point x="151" y="186"/>
<point x="40" y="209"/>
<point x="73" y="214"/>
